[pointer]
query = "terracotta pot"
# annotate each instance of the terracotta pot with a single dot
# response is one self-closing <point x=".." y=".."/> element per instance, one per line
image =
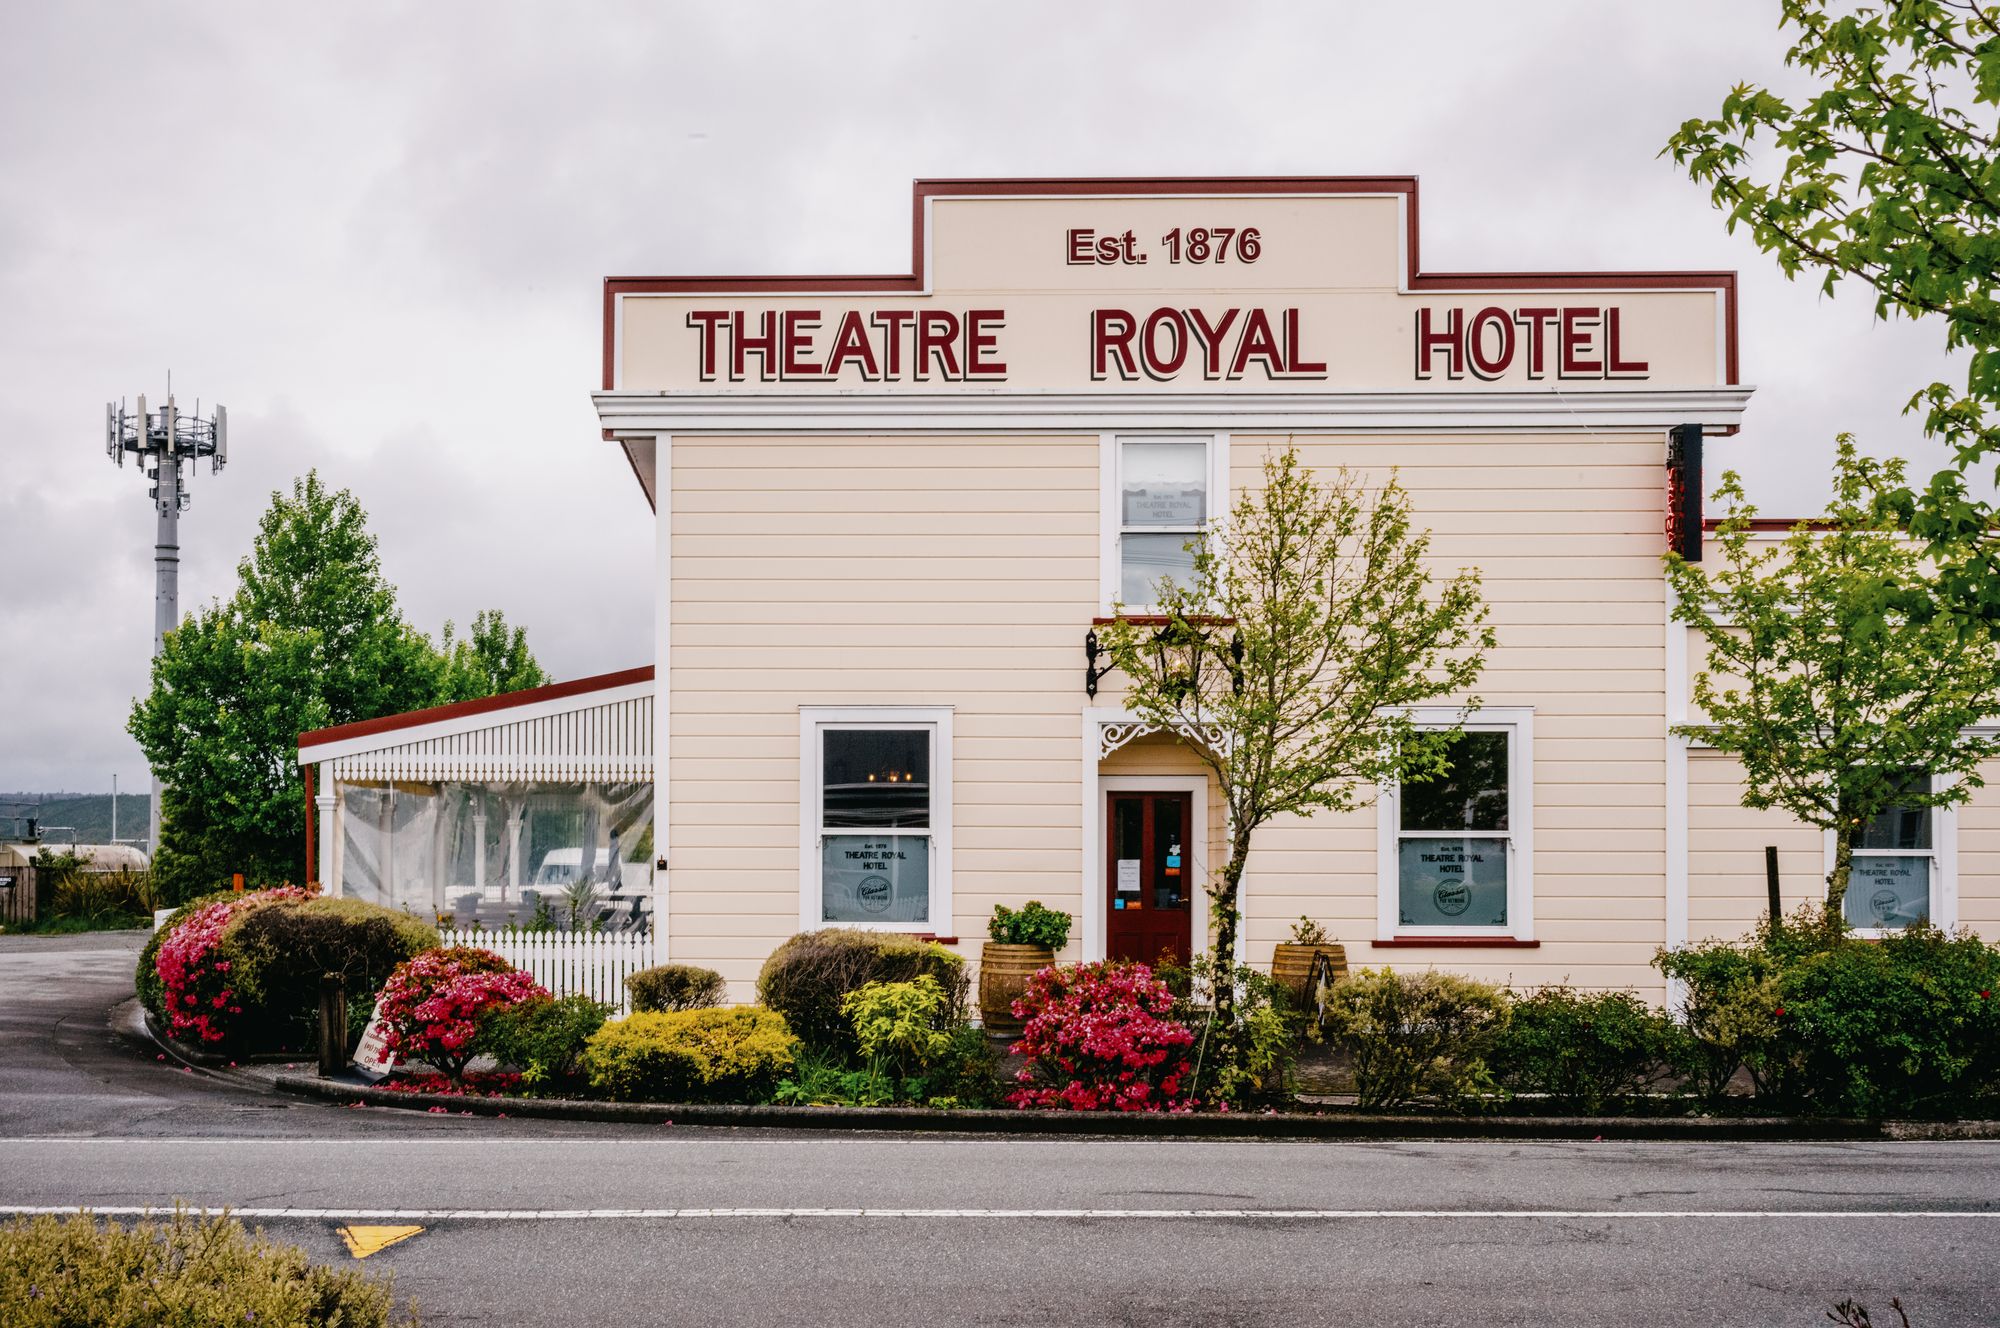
<point x="1004" y="971"/>
<point x="1291" y="965"/>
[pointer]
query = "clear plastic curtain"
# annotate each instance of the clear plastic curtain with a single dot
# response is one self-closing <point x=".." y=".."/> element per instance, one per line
<point x="494" y="850"/>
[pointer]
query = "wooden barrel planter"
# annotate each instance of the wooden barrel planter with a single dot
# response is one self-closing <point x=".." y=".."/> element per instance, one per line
<point x="1004" y="971"/>
<point x="1292" y="965"/>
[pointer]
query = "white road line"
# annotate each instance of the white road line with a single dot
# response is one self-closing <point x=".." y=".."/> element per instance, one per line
<point x="1018" y="1214"/>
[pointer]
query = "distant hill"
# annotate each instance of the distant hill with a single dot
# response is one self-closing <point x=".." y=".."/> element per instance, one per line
<point x="89" y="813"/>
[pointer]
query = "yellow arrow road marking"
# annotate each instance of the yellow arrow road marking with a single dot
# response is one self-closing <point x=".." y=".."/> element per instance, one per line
<point x="364" y="1241"/>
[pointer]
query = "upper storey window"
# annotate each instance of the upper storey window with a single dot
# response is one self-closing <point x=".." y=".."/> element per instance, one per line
<point x="1164" y="489"/>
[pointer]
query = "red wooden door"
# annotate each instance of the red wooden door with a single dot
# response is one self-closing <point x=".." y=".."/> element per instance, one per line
<point x="1148" y="876"/>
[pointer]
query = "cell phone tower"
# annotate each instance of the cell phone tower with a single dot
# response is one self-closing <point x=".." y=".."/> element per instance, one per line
<point x="163" y="442"/>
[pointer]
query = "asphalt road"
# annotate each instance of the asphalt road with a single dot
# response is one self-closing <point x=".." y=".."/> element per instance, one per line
<point x="572" y="1224"/>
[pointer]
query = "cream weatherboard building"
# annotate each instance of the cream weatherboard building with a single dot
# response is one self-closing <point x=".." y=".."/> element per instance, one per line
<point x="891" y="510"/>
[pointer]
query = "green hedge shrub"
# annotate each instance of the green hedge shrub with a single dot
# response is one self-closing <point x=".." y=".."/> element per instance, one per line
<point x="1827" y="1023"/>
<point x="1905" y="1026"/>
<point x="280" y="953"/>
<point x="675" y="987"/>
<point x="1246" y="1063"/>
<point x="1416" y="1036"/>
<point x="808" y="977"/>
<point x="192" y="1272"/>
<point x="732" y="1055"/>
<point x="1729" y="1019"/>
<point x="909" y="1050"/>
<point x="544" y="1038"/>
<point x="1585" y="1052"/>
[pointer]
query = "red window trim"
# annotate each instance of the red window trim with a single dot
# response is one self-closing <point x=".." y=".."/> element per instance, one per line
<point x="1462" y="942"/>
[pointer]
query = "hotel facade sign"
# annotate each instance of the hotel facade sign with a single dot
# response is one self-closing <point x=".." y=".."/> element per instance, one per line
<point x="1307" y="286"/>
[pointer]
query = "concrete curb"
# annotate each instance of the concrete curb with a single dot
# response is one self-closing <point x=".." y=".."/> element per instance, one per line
<point x="1248" y="1125"/>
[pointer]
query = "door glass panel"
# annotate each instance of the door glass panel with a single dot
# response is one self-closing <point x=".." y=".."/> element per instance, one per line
<point x="1453" y="882"/>
<point x="1170" y="871"/>
<point x="1128" y="851"/>
<point x="1887" y="891"/>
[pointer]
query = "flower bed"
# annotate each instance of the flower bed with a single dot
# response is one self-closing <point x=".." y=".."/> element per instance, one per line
<point x="497" y="1083"/>
<point x="242" y="972"/>
<point x="1100" y="1037"/>
<point x="432" y="1005"/>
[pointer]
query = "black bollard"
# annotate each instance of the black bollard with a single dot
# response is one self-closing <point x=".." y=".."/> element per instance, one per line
<point x="332" y="1026"/>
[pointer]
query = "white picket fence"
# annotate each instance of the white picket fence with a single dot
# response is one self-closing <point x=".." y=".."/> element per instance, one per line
<point x="568" y="963"/>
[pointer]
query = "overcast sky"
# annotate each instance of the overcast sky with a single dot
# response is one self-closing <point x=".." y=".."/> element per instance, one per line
<point x="376" y="232"/>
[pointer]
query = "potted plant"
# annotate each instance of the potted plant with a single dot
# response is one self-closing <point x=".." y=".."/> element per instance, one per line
<point x="1024" y="942"/>
<point x="1292" y="961"/>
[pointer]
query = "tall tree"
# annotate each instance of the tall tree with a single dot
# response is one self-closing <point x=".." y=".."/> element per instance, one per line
<point x="311" y="637"/>
<point x="1820" y="678"/>
<point x="1888" y="173"/>
<point x="1287" y="661"/>
<point x="493" y="658"/>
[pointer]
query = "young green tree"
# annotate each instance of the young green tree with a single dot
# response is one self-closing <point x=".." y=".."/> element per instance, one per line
<point x="1286" y="663"/>
<point x="1821" y="678"/>
<point x="1888" y="173"/>
<point x="311" y="637"/>
<point x="494" y="658"/>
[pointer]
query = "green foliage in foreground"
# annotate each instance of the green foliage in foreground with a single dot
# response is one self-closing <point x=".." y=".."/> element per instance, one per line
<point x="808" y="978"/>
<point x="544" y="1037"/>
<point x="1876" y="164"/>
<point x="179" y="1272"/>
<point x="733" y="1055"/>
<point x="675" y="987"/>
<point x="911" y="1048"/>
<point x="1585" y="1051"/>
<point x="311" y="637"/>
<point x="1337" y="628"/>
<point x="1827" y="1024"/>
<point x="1831" y="675"/>
<point x="1034" y="923"/>
<point x="1416" y="1037"/>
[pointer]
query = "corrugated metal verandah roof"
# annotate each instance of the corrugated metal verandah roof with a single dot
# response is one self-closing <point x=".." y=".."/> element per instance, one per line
<point x="591" y="729"/>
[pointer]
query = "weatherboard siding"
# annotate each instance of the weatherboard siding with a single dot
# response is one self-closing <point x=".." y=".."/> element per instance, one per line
<point x="964" y="572"/>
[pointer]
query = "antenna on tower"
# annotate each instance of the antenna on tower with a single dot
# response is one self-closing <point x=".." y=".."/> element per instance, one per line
<point x="164" y="444"/>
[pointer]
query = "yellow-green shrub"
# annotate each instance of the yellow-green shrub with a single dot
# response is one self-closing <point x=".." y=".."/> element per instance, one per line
<point x="192" y="1272"/>
<point x="1416" y="1036"/>
<point x="808" y="977"/>
<point x="729" y="1055"/>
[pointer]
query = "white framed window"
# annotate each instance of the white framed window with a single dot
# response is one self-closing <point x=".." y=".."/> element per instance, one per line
<point x="875" y="817"/>
<point x="1905" y="867"/>
<point x="1161" y="492"/>
<point x="1455" y="854"/>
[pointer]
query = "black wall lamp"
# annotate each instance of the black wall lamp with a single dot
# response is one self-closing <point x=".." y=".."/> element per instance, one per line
<point x="1093" y="672"/>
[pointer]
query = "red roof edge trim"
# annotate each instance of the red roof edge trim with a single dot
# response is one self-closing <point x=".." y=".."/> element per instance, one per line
<point x="410" y="719"/>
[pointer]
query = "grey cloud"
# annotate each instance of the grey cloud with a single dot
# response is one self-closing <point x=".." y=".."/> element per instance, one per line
<point x="376" y="230"/>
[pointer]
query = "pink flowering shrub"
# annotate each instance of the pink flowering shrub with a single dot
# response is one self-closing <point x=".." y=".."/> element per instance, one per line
<point x="432" y="1004"/>
<point x="1099" y="1038"/>
<point x="201" y="994"/>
